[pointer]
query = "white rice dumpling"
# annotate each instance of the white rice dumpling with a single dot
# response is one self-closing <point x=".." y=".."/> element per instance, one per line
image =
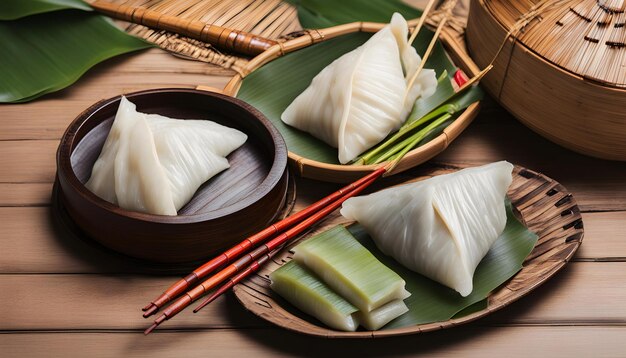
<point x="440" y="227"/>
<point x="361" y="97"/>
<point x="154" y="164"/>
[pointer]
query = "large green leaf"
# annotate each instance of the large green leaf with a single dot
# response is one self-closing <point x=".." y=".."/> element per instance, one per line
<point x="316" y="14"/>
<point x="433" y="302"/>
<point x="15" y="9"/>
<point x="46" y="52"/>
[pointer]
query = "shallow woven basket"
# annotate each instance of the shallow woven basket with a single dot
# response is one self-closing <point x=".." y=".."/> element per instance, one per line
<point x="564" y="74"/>
<point x="544" y="206"/>
<point x="344" y="173"/>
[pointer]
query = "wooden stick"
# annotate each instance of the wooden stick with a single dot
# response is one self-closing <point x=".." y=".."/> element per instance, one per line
<point x="421" y="21"/>
<point x="474" y="79"/>
<point x="221" y="37"/>
<point x="429" y="50"/>
<point x="254" y="267"/>
<point x="197" y="292"/>
<point x="185" y="283"/>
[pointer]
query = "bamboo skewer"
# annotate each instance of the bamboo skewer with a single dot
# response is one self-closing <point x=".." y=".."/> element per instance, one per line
<point x="191" y="296"/>
<point x="472" y="81"/>
<point x="426" y="55"/>
<point x="188" y="281"/>
<point x="254" y="267"/>
<point x="421" y="21"/>
<point x="448" y="5"/>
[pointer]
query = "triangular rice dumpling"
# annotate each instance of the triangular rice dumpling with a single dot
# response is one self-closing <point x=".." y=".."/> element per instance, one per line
<point x="440" y="227"/>
<point x="154" y="164"/>
<point x="361" y="97"/>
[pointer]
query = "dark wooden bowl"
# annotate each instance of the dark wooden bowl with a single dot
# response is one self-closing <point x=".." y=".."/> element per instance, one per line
<point x="230" y="206"/>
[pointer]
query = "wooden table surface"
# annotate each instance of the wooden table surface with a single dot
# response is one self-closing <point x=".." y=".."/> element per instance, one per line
<point x="61" y="297"/>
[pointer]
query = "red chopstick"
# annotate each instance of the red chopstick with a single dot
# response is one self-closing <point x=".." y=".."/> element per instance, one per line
<point x="255" y="266"/>
<point x="185" y="283"/>
<point x="197" y="292"/>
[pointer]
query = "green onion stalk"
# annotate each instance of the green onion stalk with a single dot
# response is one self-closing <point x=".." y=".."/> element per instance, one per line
<point x="413" y="132"/>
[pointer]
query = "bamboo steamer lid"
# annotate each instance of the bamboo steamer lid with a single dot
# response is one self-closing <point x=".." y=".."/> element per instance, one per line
<point x="562" y="72"/>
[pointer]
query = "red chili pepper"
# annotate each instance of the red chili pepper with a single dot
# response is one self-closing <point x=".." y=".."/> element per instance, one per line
<point x="460" y="77"/>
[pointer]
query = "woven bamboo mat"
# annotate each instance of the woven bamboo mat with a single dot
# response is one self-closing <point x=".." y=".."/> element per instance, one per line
<point x="271" y="19"/>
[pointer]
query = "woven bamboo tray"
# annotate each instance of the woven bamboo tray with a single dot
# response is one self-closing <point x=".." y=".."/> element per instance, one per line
<point x="564" y="76"/>
<point x="544" y="206"/>
<point x="345" y="173"/>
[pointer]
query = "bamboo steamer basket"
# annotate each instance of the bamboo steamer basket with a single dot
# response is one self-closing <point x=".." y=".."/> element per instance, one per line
<point x="564" y="74"/>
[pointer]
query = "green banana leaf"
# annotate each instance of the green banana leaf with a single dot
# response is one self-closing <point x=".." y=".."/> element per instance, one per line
<point x="444" y="92"/>
<point x="47" y="52"/>
<point x="316" y="14"/>
<point x="15" y="9"/>
<point x="433" y="302"/>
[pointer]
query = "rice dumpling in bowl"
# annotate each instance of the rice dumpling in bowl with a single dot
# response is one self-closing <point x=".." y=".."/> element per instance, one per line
<point x="237" y="202"/>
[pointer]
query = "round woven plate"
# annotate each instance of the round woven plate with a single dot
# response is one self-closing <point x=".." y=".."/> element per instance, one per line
<point x="543" y="205"/>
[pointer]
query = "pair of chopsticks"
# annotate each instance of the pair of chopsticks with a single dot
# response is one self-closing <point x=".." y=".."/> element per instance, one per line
<point x="247" y="263"/>
<point x="249" y="255"/>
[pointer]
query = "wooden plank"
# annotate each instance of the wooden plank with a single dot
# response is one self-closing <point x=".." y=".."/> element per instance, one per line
<point x="28" y="161"/>
<point x="469" y="342"/>
<point x="605" y="237"/>
<point x="103" y="302"/>
<point x="47" y="118"/>
<point x="582" y="294"/>
<point x="30" y="194"/>
<point x="33" y="242"/>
